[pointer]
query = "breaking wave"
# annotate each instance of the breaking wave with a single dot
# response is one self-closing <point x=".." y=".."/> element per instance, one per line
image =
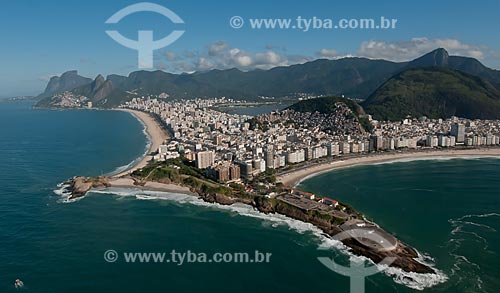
<point x="64" y="193"/>
<point x="124" y="168"/>
<point x="465" y="229"/>
<point x="412" y="280"/>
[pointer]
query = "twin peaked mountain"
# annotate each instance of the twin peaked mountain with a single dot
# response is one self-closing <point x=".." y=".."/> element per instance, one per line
<point x="435" y="85"/>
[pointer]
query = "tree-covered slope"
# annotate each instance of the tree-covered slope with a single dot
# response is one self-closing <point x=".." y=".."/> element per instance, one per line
<point x="435" y="92"/>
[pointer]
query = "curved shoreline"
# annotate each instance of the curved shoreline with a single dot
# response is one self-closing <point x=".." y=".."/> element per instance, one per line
<point x="294" y="178"/>
<point x="156" y="136"/>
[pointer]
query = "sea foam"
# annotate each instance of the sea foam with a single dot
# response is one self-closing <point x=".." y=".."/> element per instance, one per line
<point x="412" y="280"/>
<point x="400" y="160"/>
<point x="437" y="158"/>
<point x="124" y="168"/>
<point x="64" y="193"/>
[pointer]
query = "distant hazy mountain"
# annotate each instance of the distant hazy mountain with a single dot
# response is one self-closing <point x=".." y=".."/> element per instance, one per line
<point x="67" y="81"/>
<point x="352" y="77"/>
<point x="98" y="89"/>
<point x="435" y="92"/>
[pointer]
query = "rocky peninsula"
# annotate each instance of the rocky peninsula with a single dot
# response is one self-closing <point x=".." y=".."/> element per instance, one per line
<point x="328" y="219"/>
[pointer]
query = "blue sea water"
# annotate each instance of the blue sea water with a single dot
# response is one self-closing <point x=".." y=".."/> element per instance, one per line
<point x="446" y="209"/>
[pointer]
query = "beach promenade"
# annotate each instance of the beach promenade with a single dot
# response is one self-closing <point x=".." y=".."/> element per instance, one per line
<point x="294" y="177"/>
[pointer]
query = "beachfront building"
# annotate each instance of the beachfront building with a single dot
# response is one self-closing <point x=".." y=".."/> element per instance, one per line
<point x="276" y="140"/>
<point x="458" y="131"/>
<point x="205" y="159"/>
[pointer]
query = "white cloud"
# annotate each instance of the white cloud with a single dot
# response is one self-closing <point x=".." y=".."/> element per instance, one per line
<point x="217" y="48"/>
<point x="243" y="61"/>
<point x="270" y="59"/>
<point x="416" y="47"/>
<point x="171" y="56"/>
<point x="220" y="55"/>
<point x="327" y="53"/>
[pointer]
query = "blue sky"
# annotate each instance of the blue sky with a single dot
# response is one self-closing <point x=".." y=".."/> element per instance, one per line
<point x="45" y="38"/>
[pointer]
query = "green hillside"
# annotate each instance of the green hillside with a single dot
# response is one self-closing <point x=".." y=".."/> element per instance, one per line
<point x="327" y="105"/>
<point x="435" y="92"/>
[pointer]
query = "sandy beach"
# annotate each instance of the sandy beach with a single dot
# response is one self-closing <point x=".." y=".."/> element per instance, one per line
<point x="295" y="177"/>
<point x="156" y="135"/>
<point x="150" y="186"/>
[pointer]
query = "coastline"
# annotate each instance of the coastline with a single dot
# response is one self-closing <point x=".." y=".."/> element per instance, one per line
<point x="156" y="136"/>
<point x="294" y="178"/>
<point x="149" y="186"/>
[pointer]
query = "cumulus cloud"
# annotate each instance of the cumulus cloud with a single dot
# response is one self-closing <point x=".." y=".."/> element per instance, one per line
<point x="269" y="58"/>
<point x="408" y="50"/>
<point x="327" y="53"/>
<point x="217" y="48"/>
<point x="220" y="55"/>
<point x="171" y="56"/>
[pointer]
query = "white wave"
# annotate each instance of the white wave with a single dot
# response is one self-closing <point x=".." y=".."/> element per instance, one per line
<point x="147" y="147"/>
<point x="459" y="227"/>
<point x="65" y="194"/>
<point x="411" y="280"/>
<point x="437" y="158"/>
<point x="479" y="216"/>
<point x="416" y="281"/>
<point x="124" y="168"/>
<point x="463" y="263"/>
<point x="472" y="271"/>
<point x="401" y="160"/>
<point x="461" y="223"/>
<point x="464" y="259"/>
<point x="62" y="190"/>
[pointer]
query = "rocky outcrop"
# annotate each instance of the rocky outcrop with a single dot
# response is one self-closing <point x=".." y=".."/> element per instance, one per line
<point x="405" y="256"/>
<point x="220" y="198"/>
<point x="100" y="88"/>
<point x="79" y="186"/>
<point x="67" y="81"/>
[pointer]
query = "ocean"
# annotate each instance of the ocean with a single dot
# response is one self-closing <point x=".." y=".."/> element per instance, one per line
<point x="447" y="209"/>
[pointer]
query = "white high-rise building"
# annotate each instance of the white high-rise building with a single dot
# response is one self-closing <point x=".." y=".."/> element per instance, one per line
<point x="205" y="159"/>
<point x="458" y="131"/>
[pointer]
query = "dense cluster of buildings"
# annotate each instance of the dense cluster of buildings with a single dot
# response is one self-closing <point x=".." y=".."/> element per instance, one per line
<point x="69" y="100"/>
<point x="230" y="146"/>
<point x="433" y="133"/>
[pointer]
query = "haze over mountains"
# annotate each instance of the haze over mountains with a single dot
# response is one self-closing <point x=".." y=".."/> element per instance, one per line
<point x="66" y="82"/>
<point x="359" y="78"/>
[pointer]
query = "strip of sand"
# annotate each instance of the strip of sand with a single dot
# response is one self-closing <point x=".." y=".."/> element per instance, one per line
<point x="150" y="186"/>
<point x="156" y="135"/>
<point x="295" y="177"/>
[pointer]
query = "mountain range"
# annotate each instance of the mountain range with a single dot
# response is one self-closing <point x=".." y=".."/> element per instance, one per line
<point x="68" y="81"/>
<point x="358" y="78"/>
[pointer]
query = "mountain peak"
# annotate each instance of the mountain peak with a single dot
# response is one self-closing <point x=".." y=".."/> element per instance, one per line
<point x="99" y="78"/>
<point x="69" y="74"/>
<point x="98" y="82"/>
<point x="438" y="57"/>
<point x="441" y="56"/>
<point x="67" y="81"/>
